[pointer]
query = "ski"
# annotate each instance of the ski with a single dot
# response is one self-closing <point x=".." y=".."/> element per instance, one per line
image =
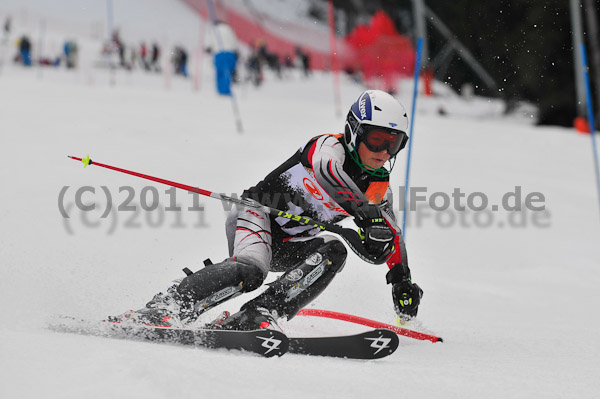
<point x="373" y="344"/>
<point x="264" y="342"/>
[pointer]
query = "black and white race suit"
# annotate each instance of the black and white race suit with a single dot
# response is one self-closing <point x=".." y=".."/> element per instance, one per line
<point x="320" y="181"/>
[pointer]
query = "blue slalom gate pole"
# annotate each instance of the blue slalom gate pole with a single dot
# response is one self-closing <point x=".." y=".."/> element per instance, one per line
<point x="236" y="111"/>
<point x="590" y="112"/>
<point x="412" y="137"/>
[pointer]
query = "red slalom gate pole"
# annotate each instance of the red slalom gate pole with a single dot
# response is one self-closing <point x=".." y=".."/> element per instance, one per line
<point x="370" y="323"/>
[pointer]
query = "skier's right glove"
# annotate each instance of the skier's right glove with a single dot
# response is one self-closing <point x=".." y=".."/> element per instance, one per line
<point x="378" y="237"/>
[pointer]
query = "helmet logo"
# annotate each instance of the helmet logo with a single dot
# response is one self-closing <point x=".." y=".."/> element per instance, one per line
<point x="392" y="124"/>
<point x="312" y="189"/>
<point x="362" y="107"/>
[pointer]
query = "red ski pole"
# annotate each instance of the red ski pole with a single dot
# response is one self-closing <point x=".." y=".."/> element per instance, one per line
<point x="350" y="236"/>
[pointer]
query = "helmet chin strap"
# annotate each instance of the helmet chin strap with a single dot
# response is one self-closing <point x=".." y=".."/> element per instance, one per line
<point x="381" y="172"/>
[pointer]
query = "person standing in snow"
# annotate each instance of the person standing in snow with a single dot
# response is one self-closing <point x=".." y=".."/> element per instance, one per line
<point x="71" y="52"/>
<point x="330" y="178"/>
<point x="144" y="56"/>
<point x="254" y="68"/>
<point x="154" y="56"/>
<point x="7" y="26"/>
<point x="303" y="60"/>
<point x="180" y="58"/>
<point x="25" y="51"/>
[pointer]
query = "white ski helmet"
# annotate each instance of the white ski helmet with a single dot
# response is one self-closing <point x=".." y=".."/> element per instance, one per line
<point x="376" y="110"/>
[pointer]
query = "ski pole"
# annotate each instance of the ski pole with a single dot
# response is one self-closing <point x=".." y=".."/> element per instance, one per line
<point x="350" y="236"/>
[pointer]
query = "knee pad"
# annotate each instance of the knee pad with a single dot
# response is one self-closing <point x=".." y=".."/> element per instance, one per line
<point x="337" y="253"/>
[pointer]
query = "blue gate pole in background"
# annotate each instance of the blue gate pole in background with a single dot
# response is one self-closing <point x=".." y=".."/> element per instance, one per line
<point x="412" y="137"/>
<point x="590" y="114"/>
<point x="236" y="111"/>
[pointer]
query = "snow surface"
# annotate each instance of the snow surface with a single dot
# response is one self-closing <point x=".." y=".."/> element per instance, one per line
<point x="517" y="306"/>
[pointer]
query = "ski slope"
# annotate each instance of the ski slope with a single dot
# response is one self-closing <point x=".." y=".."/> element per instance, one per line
<point x="515" y="300"/>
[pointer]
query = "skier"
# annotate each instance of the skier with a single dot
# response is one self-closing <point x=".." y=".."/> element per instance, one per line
<point x="330" y="178"/>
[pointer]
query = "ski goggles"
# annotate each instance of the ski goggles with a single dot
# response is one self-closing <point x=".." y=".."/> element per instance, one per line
<point x="378" y="138"/>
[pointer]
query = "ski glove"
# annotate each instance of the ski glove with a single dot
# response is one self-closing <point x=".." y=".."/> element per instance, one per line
<point x="377" y="236"/>
<point x="406" y="294"/>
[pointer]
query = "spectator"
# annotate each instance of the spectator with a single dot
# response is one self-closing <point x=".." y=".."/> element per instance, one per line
<point x="144" y="56"/>
<point x="288" y="62"/>
<point x="254" y="68"/>
<point x="132" y="56"/>
<point x="71" y="54"/>
<point x="154" y="56"/>
<point x="271" y="59"/>
<point x="304" y="60"/>
<point x="25" y="50"/>
<point x="7" y="26"/>
<point x="180" y="61"/>
<point x="120" y="47"/>
<point x="122" y="60"/>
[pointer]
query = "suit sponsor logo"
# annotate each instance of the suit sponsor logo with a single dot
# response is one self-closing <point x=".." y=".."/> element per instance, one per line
<point x="314" y="275"/>
<point x="255" y="214"/>
<point x="312" y="189"/>
<point x="224" y="293"/>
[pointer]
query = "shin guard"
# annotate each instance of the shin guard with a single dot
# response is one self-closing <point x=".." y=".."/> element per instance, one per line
<point x="303" y="282"/>
<point x="219" y="282"/>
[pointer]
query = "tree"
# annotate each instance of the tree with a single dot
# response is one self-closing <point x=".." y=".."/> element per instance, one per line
<point x="525" y="45"/>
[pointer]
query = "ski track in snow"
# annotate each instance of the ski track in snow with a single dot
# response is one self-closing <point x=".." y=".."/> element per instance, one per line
<point x="515" y="305"/>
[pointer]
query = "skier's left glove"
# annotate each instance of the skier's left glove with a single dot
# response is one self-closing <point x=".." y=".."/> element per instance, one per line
<point x="377" y="236"/>
<point x="406" y="294"/>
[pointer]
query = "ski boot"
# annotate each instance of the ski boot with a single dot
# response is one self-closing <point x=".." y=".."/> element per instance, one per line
<point x="249" y="318"/>
<point x="163" y="310"/>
